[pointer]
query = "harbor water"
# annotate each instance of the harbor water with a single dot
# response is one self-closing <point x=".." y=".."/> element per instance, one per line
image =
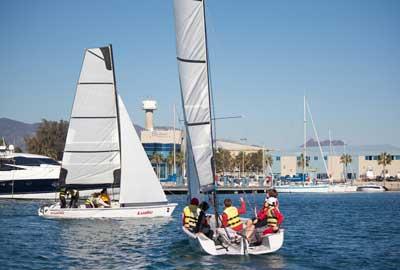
<point x="323" y="231"/>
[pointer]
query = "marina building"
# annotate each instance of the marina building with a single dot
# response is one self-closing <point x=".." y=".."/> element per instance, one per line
<point x="364" y="162"/>
<point x="160" y="144"/>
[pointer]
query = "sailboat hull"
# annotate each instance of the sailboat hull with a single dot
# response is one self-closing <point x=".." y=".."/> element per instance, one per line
<point x="55" y="212"/>
<point x="234" y="246"/>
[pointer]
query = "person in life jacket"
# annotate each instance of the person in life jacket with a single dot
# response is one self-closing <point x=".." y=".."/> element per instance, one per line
<point x="190" y="215"/>
<point x="269" y="216"/>
<point x="91" y="202"/>
<point x="272" y="193"/>
<point x="230" y="217"/>
<point x="104" y="196"/>
<point x="63" y="201"/>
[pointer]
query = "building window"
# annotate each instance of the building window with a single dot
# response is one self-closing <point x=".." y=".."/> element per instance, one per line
<point x="278" y="158"/>
<point x="368" y="157"/>
<point x="375" y="157"/>
<point x="315" y="158"/>
<point x="326" y="157"/>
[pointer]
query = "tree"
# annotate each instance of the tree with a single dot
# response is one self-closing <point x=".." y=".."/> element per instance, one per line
<point x="49" y="139"/>
<point x="223" y="161"/>
<point x="384" y="159"/>
<point x="300" y="163"/>
<point x="170" y="163"/>
<point x="157" y="159"/>
<point x="345" y="159"/>
<point x="180" y="161"/>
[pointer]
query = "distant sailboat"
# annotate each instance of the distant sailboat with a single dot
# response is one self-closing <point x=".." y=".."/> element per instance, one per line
<point x="193" y="68"/>
<point x="103" y="150"/>
<point x="304" y="186"/>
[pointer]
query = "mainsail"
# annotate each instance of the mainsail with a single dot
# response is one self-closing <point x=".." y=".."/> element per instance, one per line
<point x="92" y="149"/>
<point x="195" y="92"/>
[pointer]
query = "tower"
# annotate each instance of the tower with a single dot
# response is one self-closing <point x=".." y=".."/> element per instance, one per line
<point x="149" y="106"/>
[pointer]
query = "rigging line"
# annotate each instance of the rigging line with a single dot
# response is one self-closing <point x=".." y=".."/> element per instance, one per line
<point x="319" y="144"/>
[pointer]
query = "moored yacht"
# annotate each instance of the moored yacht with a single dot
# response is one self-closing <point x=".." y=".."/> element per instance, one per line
<point x="371" y="188"/>
<point x="27" y="176"/>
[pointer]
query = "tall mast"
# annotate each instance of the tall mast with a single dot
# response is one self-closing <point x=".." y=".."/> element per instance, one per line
<point x="211" y="119"/>
<point x="118" y="117"/>
<point x="174" y="169"/>
<point x="305" y="139"/>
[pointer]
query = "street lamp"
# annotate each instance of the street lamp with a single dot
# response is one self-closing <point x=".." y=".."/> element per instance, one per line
<point x="243" y="139"/>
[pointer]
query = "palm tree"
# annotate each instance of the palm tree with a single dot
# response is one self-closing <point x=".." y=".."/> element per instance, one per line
<point x="157" y="159"/>
<point x="384" y="159"/>
<point x="303" y="164"/>
<point x="345" y="159"/>
<point x="170" y="163"/>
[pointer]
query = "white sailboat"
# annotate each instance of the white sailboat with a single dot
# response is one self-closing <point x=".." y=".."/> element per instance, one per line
<point x="305" y="186"/>
<point x="193" y="68"/>
<point x="103" y="150"/>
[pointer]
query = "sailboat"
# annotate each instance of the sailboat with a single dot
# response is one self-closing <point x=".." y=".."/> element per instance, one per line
<point x="196" y="97"/>
<point x="103" y="149"/>
<point x="304" y="186"/>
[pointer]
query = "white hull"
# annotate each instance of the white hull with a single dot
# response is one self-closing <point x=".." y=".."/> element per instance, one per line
<point x="240" y="246"/>
<point x="371" y="188"/>
<point x="302" y="189"/>
<point x="55" y="195"/>
<point x="342" y="188"/>
<point x="55" y="212"/>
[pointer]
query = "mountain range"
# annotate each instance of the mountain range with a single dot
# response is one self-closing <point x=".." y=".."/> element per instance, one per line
<point x="314" y="143"/>
<point x="14" y="131"/>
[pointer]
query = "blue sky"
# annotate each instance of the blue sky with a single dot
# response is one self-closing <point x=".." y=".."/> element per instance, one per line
<point x="265" y="55"/>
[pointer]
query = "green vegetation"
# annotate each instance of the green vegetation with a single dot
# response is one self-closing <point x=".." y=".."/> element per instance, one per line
<point x="345" y="159"/>
<point x="49" y="139"/>
<point x="384" y="159"/>
<point x="157" y="159"/>
<point x="300" y="163"/>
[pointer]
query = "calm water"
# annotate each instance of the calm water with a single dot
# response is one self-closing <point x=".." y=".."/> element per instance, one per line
<point x="323" y="231"/>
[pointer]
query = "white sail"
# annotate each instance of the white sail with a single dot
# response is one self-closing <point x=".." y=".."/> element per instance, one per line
<point x="193" y="75"/>
<point x="92" y="150"/>
<point x="193" y="183"/>
<point x="139" y="183"/>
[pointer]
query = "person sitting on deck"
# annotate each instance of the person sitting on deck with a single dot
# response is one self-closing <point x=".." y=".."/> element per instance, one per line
<point x="104" y="196"/>
<point x="91" y="201"/>
<point x="230" y="217"/>
<point x="73" y="203"/>
<point x="203" y="222"/>
<point x="63" y="201"/>
<point x="272" y="193"/>
<point x="190" y="214"/>
<point x="268" y="216"/>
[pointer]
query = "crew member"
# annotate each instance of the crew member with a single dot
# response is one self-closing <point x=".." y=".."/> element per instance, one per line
<point x="230" y="216"/>
<point x="63" y="201"/>
<point x="190" y="214"/>
<point x="104" y="196"/>
<point x="273" y="216"/>
<point x="203" y="222"/>
<point x="73" y="203"/>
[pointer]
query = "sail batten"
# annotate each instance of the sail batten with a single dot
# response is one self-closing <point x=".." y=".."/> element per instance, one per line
<point x="194" y="81"/>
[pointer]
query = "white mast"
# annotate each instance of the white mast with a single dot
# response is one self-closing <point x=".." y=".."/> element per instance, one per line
<point x="305" y="140"/>
<point x="319" y="144"/>
<point x="174" y="171"/>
